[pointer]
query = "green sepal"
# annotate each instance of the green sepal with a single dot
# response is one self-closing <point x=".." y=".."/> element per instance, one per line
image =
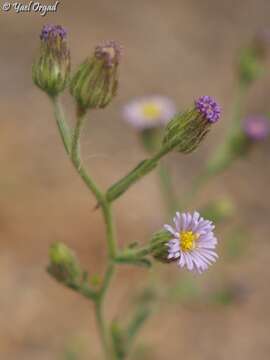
<point x="94" y="85"/>
<point x="185" y="132"/>
<point x="51" y="69"/>
<point x="159" y="248"/>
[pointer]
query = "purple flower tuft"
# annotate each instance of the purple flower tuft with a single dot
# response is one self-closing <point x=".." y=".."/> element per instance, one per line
<point x="257" y="127"/>
<point x="110" y="51"/>
<point x="193" y="242"/>
<point x="208" y="108"/>
<point x="52" y="31"/>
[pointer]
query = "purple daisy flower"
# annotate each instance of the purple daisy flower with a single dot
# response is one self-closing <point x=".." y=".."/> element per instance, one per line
<point x="257" y="127"/>
<point x="208" y="108"/>
<point x="193" y="242"/>
<point x="149" y="112"/>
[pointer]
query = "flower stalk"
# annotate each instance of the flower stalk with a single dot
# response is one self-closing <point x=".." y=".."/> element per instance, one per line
<point x="72" y="146"/>
<point x="93" y="86"/>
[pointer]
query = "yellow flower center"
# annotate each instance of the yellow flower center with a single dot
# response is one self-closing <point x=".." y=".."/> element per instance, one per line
<point x="151" y="111"/>
<point x="187" y="240"/>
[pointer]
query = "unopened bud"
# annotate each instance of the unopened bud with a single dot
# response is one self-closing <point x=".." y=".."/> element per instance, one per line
<point x="64" y="265"/>
<point x="186" y="130"/>
<point x="95" y="83"/>
<point x="159" y="246"/>
<point x="52" y="68"/>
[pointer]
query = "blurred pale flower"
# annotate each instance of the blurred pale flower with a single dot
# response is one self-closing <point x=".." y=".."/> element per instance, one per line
<point x="149" y="112"/>
<point x="257" y="127"/>
<point x="193" y="242"/>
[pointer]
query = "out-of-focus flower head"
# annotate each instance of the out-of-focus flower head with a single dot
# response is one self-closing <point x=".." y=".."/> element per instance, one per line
<point x="256" y="127"/>
<point x="95" y="83"/>
<point x="253" y="129"/>
<point x="186" y="130"/>
<point x="149" y="112"/>
<point x="192" y="244"/>
<point x="52" y="68"/>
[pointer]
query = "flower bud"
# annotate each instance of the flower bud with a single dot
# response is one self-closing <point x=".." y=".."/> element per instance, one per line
<point x="52" y="68"/>
<point x="64" y="265"/>
<point x="159" y="246"/>
<point x="95" y="83"/>
<point x="186" y="130"/>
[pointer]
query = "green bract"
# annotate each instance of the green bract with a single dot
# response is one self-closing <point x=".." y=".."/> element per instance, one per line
<point x="51" y="69"/>
<point x="95" y="82"/>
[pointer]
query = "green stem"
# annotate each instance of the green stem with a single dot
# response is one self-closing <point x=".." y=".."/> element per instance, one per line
<point x="238" y="107"/>
<point x="99" y="313"/>
<point x="135" y="253"/>
<point x="84" y="290"/>
<point x="196" y="185"/>
<point x="167" y="189"/>
<point x="107" y="279"/>
<point x="66" y="137"/>
<point x="62" y="125"/>
<point x="110" y="231"/>
<point x="142" y="169"/>
<point x="75" y="147"/>
<point x="102" y="329"/>
<point x="73" y="150"/>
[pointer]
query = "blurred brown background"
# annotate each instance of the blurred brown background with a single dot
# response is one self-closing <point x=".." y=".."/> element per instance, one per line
<point x="179" y="48"/>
